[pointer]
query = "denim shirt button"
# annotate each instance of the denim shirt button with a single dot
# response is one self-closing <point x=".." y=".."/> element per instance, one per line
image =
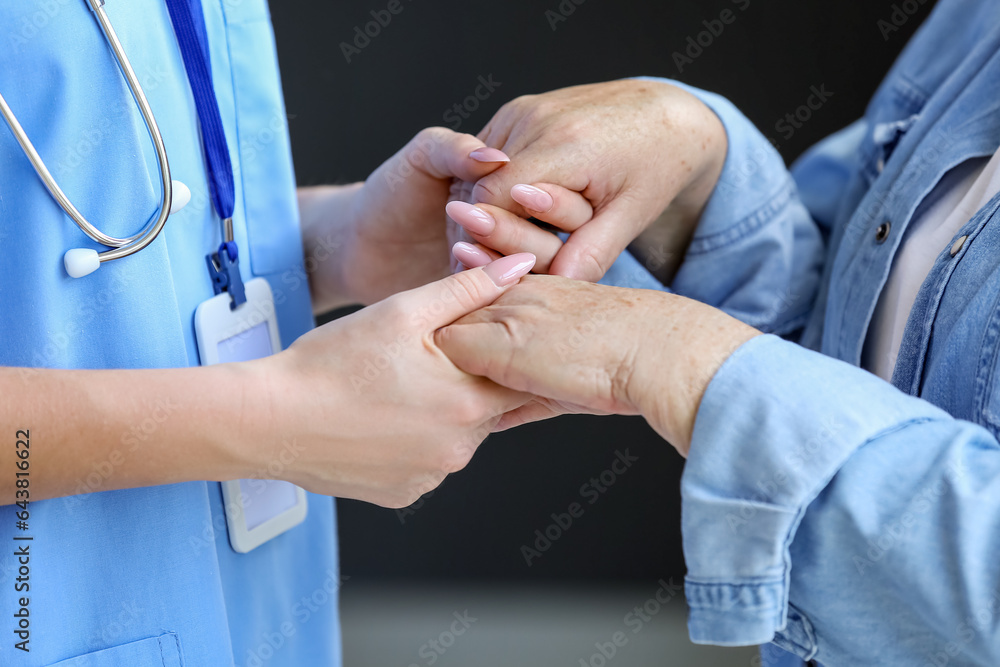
<point x="880" y="165"/>
<point x="882" y="233"/>
<point x="959" y="244"/>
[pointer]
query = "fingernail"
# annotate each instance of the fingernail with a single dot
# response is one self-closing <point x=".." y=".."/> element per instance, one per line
<point x="532" y="198"/>
<point x="508" y="270"/>
<point x="489" y="155"/>
<point x="475" y="220"/>
<point x="469" y="255"/>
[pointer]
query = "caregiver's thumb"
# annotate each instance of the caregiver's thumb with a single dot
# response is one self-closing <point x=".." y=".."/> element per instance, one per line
<point x="441" y="303"/>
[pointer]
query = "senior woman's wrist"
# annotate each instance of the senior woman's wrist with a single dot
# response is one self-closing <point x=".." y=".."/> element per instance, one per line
<point x="675" y="364"/>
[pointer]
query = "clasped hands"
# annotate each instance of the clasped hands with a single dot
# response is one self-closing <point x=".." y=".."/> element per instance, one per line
<point x="401" y="394"/>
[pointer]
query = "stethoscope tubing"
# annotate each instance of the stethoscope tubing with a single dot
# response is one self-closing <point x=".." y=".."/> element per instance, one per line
<point x="118" y="247"/>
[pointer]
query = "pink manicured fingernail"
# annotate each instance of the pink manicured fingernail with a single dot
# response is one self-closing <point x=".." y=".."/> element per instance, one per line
<point x="489" y="155"/>
<point x="532" y="198"/>
<point x="470" y="255"/>
<point x="508" y="270"/>
<point x="475" y="220"/>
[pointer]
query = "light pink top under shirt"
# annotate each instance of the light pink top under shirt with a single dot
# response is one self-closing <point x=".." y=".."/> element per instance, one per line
<point x="960" y="194"/>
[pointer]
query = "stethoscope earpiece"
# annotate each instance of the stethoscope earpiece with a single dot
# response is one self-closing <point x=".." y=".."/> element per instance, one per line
<point x="80" y="262"/>
<point x="181" y="198"/>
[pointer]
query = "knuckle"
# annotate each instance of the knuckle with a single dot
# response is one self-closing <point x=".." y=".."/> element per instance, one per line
<point x="519" y="104"/>
<point x="455" y="460"/>
<point x="469" y="410"/>
<point x="453" y="465"/>
<point x="509" y="233"/>
<point x="394" y="500"/>
<point x="538" y="109"/>
<point x="394" y="312"/>
<point x="591" y="264"/>
<point x="573" y="129"/>
<point x="467" y="289"/>
<point x="431" y="136"/>
<point x="487" y="190"/>
<point x="425" y="144"/>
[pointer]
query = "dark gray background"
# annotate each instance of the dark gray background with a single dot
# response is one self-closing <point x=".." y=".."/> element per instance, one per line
<point x="346" y="118"/>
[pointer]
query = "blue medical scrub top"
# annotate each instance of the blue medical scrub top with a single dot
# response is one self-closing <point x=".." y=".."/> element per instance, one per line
<point x="147" y="576"/>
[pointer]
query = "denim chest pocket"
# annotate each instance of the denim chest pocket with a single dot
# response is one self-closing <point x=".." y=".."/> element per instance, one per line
<point x="952" y="340"/>
<point x="987" y="380"/>
<point x="988" y="377"/>
<point x="890" y="117"/>
<point x="161" y="651"/>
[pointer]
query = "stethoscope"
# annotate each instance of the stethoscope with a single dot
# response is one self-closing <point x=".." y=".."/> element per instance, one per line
<point x="80" y="262"/>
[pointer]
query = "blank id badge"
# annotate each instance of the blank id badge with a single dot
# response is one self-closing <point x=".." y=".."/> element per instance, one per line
<point x="256" y="510"/>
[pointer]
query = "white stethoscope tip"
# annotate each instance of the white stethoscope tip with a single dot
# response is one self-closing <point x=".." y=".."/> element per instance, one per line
<point x="80" y="262"/>
<point x="181" y="198"/>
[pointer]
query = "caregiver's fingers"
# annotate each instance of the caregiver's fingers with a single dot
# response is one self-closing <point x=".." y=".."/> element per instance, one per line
<point x="479" y="348"/>
<point x="472" y="255"/>
<point x="533" y="411"/>
<point x="443" y="153"/>
<point x="505" y="233"/>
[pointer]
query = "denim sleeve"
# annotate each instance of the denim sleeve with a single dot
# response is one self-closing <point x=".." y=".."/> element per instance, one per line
<point x="815" y="511"/>
<point x="756" y="253"/>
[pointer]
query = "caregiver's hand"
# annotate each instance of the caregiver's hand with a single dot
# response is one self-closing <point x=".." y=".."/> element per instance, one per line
<point x="599" y="349"/>
<point x="377" y="411"/>
<point x="364" y="242"/>
<point x="634" y="149"/>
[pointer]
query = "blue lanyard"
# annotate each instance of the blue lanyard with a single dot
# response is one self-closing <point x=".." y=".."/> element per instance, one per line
<point x="223" y="266"/>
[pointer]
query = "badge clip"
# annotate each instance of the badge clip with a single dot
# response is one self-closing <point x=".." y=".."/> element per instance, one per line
<point x="224" y="270"/>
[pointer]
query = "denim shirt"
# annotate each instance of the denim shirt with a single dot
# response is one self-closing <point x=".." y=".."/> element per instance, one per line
<point x="846" y="519"/>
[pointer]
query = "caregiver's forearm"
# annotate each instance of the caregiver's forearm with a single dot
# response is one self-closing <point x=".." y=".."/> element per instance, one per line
<point x="326" y="212"/>
<point x="66" y="432"/>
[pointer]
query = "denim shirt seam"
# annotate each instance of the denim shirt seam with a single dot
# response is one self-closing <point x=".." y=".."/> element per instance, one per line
<point x="747" y="225"/>
<point x="909" y="93"/>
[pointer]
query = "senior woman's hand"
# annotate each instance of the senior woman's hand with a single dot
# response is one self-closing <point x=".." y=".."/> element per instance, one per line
<point x="635" y="150"/>
<point x="591" y="348"/>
